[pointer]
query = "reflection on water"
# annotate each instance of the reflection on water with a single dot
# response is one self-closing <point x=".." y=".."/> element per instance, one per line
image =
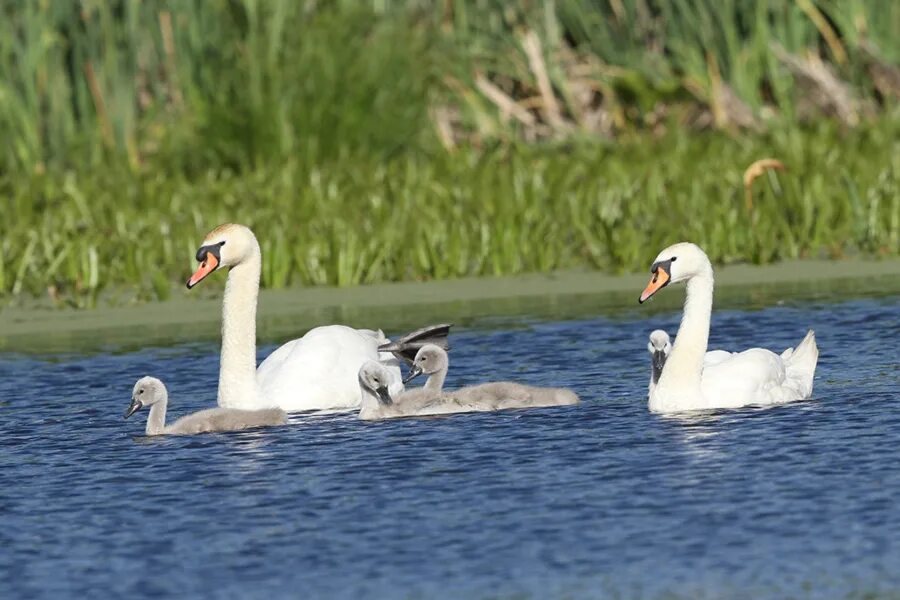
<point x="598" y="500"/>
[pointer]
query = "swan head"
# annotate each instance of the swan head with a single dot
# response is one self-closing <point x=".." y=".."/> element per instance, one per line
<point x="675" y="264"/>
<point x="375" y="379"/>
<point x="430" y="358"/>
<point x="659" y="347"/>
<point x="147" y="392"/>
<point x="659" y="342"/>
<point x="227" y="245"/>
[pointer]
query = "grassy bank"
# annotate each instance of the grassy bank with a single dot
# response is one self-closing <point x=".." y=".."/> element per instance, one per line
<point x="400" y="140"/>
<point x="75" y="236"/>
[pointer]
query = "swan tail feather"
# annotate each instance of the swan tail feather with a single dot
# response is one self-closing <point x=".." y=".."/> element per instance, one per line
<point x="406" y="347"/>
<point x="800" y="364"/>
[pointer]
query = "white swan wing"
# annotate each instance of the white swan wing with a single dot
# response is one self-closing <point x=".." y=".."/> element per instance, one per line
<point x="753" y="377"/>
<point x="319" y="371"/>
<point x="714" y="357"/>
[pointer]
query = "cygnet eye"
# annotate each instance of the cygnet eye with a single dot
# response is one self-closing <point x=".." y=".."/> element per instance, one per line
<point x="142" y="391"/>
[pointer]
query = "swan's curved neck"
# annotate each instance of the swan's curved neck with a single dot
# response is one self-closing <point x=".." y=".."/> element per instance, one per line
<point x="237" y="371"/>
<point x="156" y="420"/>
<point x="368" y="402"/>
<point x="685" y="363"/>
<point x="435" y="382"/>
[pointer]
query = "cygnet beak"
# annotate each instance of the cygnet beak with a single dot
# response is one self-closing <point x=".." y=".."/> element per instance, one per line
<point x="414" y="372"/>
<point x="135" y="406"/>
<point x="659" y="361"/>
<point x="384" y="395"/>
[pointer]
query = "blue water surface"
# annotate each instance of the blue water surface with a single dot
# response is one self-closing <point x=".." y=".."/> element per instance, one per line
<point x="600" y="500"/>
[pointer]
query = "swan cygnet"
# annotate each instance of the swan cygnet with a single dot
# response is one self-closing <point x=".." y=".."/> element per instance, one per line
<point x="150" y="391"/>
<point x="377" y="403"/>
<point x="433" y="361"/>
<point x="659" y="347"/>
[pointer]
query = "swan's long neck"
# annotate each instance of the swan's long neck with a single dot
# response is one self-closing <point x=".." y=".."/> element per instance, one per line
<point x="237" y="372"/>
<point x="156" y="420"/>
<point x="368" y="403"/>
<point x="685" y="363"/>
<point x="435" y="382"/>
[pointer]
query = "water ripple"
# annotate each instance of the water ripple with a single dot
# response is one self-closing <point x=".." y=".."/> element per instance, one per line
<point x="599" y="500"/>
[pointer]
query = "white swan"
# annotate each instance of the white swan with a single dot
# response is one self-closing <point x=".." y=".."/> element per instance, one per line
<point x="378" y="403"/>
<point x="659" y="347"/>
<point x="694" y="379"/>
<point x="150" y="391"/>
<point x="317" y="371"/>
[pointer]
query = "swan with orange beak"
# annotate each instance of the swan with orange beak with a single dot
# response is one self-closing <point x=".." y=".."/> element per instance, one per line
<point x="661" y="272"/>
<point x="317" y="371"/>
<point x="210" y="258"/>
<point x="694" y="379"/>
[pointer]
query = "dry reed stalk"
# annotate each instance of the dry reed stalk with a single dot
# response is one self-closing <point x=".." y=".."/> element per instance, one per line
<point x="168" y="39"/>
<point x="755" y="170"/>
<point x="99" y="104"/>
<point x="531" y="44"/>
<point x="507" y="105"/>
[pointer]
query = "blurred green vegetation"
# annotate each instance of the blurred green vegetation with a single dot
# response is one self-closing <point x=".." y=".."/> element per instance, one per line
<point x="402" y="139"/>
<point x="513" y="210"/>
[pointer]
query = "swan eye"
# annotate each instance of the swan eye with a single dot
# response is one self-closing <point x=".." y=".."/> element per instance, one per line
<point x="673" y="259"/>
<point x="142" y="391"/>
<point x="222" y="243"/>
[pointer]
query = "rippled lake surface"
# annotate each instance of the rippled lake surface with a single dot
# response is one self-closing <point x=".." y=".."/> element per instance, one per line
<point x="593" y="501"/>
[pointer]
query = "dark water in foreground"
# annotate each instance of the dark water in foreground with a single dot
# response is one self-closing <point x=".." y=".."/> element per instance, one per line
<point x="594" y="501"/>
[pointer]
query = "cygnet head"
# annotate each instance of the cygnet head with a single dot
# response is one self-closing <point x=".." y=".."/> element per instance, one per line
<point x="659" y="347"/>
<point x="147" y="392"/>
<point x="676" y="263"/>
<point x="429" y="359"/>
<point x="374" y="378"/>
<point x="225" y="246"/>
<point x="659" y="342"/>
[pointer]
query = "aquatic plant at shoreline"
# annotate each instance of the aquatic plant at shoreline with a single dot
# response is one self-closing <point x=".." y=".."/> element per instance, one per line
<point x="78" y="237"/>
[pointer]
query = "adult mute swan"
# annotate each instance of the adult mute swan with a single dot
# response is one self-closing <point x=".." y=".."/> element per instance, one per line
<point x="694" y="379"/>
<point x="150" y="391"/>
<point x="432" y="360"/>
<point x="317" y="371"/>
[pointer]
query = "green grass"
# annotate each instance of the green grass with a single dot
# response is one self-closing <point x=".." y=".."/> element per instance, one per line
<point x="389" y="140"/>
<point x="113" y="234"/>
<point x="187" y="86"/>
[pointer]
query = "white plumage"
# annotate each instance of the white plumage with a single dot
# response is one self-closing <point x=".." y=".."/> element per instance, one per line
<point x="317" y="371"/>
<point x="695" y="379"/>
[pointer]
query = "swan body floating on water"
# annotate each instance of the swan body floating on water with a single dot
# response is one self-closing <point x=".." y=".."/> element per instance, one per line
<point x="150" y="391"/>
<point x="317" y="371"/>
<point x="694" y="379"/>
<point x="431" y="399"/>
